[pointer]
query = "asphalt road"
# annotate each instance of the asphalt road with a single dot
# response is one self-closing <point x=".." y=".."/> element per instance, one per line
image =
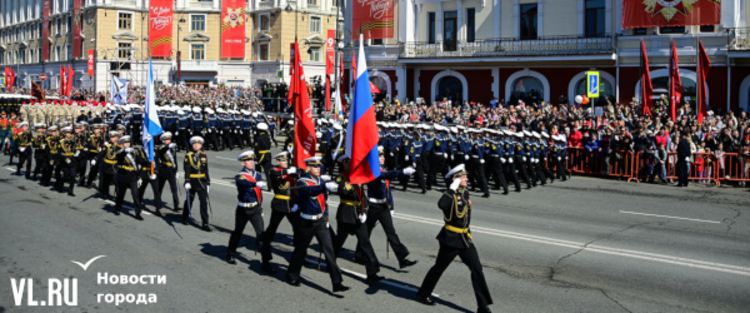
<point x="585" y="245"/>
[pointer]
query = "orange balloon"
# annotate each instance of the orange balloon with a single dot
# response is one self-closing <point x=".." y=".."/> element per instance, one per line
<point x="585" y="100"/>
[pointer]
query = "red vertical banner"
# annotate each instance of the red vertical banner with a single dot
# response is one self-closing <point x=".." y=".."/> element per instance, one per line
<point x="91" y="62"/>
<point x="374" y="18"/>
<point x="675" y="83"/>
<point x="647" y="88"/>
<point x="704" y="66"/>
<point x="304" y="129"/>
<point x="233" y="29"/>
<point x="45" y="30"/>
<point x="160" y="13"/>
<point x="77" y="29"/>
<point x="63" y="81"/>
<point x="71" y="76"/>
<point x="330" y="62"/>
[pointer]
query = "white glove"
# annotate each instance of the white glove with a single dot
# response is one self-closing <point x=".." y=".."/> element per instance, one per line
<point x="524" y="159"/>
<point x="86" y="149"/>
<point x="566" y="157"/>
<point x="687" y="159"/>
<point x="187" y="186"/>
<point x="24" y="149"/>
<point x="559" y="158"/>
<point x="261" y="185"/>
<point x="503" y="160"/>
<point x="77" y="153"/>
<point x="152" y="177"/>
<point x="445" y="155"/>
<point x="392" y="211"/>
<point x="391" y="153"/>
<point x="406" y="158"/>
<point x="325" y="177"/>
<point x="140" y="182"/>
<point x="295" y="208"/>
<point x="481" y="161"/>
<point x="455" y="184"/>
<point x="451" y="157"/>
<point x="221" y="132"/>
<point x="291" y="170"/>
<point x="510" y="160"/>
<point x="176" y="133"/>
<point x="43" y="145"/>
<point x="93" y="162"/>
<point x="210" y="130"/>
<point x="7" y="140"/>
<point x="208" y="188"/>
<point x="409" y="171"/>
<point x="172" y="145"/>
<point x="466" y="157"/>
<point x="363" y="218"/>
<point x="67" y="161"/>
<point x="328" y="225"/>
<point x="129" y="150"/>
<point x="332" y="186"/>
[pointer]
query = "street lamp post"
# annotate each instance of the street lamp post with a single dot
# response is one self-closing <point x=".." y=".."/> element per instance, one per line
<point x="289" y="9"/>
<point x="179" y="53"/>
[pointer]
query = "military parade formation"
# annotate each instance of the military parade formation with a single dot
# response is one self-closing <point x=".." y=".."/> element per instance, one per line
<point x="101" y="144"/>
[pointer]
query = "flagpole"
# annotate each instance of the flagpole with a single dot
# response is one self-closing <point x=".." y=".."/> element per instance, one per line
<point x="699" y="79"/>
<point x="643" y="86"/>
<point x="670" y="87"/>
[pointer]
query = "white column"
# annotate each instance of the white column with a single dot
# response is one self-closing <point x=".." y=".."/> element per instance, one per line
<point x="496" y="12"/>
<point x="460" y="21"/>
<point x="540" y="18"/>
<point x="439" y="22"/>
<point x="402" y="20"/>
<point x="216" y="5"/>
<point x="401" y="83"/>
<point x="417" y="22"/>
<point x="416" y="84"/>
<point x="410" y="22"/>
<point x="516" y="20"/>
<point x="608" y="16"/>
<point x="581" y="18"/>
<point x="496" y="82"/>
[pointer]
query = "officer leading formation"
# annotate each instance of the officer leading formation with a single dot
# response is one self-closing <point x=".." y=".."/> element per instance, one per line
<point x="76" y="154"/>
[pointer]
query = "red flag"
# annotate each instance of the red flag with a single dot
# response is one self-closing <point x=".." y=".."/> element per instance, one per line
<point x="374" y="89"/>
<point x="71" y="75"/>
<point x="63" y="81"/>
<point x="354" y="70"/>
<point x="704" y="66"/>
<point x="37" y="91"/>
<point x="342" y="84"/>
<point x="647" y="89"/>
<point x="10" y="78"/>
<point x="675" y="83"/>
<point x="330" y="64"/>
<point x="653" y="13"/>
<point x="304" y="129"/>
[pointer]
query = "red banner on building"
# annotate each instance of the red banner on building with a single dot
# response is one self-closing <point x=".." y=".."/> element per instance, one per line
<point x="373" y="18"/>
<point x="45" y="30"/>
<point x="233" y="29"/>
<point x="77" y="29"/>
<point x="655" y="13"/>
<point x="63" y="81"/>
<point x="330" y="64"/>
<point x="91" y="62"/>
<point x="160" y="14"/>
<point x="71" y="76"/>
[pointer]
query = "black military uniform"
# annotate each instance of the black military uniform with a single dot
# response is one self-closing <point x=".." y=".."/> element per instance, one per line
<point x="147" y="179"/>
<point x="52" y="142"/>
<point x="81" y="158"/>
<point x="40" y="153"/>
<point x="198" y="181"/>
<point x="352" y="205"/>
<point x="455" y="240"/>
<point x="25" y="151"/>
<point x="94" y="145"/>
<point x="250" y="198"/>
<point x="107" y="163"/>
<point x="283" y="200"/>
<point x="127" y="177"/>
<point x="262" y="147"/>
<point x="167" y="165"/>
<point x="67" y="150"/>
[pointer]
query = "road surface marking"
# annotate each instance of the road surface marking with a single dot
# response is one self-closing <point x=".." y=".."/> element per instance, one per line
<point x="672" y="217"/>
<point x="363" y="276"/>
<point x="661" y="258"/>
<point x="223" y="158"/>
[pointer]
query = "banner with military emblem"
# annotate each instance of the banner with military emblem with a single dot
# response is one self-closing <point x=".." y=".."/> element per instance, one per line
<point x="373" y="18"/>
<point x="233" y="29"/>
<point x="77" y="28"/>
<point x="661" y="13"/>
<point x="160" y="14"/>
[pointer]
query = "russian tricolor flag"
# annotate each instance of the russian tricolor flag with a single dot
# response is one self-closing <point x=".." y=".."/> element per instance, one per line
<point x="362" y="132"/>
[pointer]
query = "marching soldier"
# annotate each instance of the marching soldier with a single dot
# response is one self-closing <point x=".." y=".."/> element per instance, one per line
<point x="413" y="149"/>
<point x="439" y="155"/>
<point x="507" y="159"/>
<point x="455" y="240"/>
<point x="536" y="154"/>
<point x="40" y="150"/>
<point x="312" y="198"/>
<point x="127" y="176"/>
<point x="51" y="141"/>
<point x="350" y="219"/>
<point x="544" y="143"/>
<point x="107" y="160"/>
<point x="182" y="129"/>
<point x="93" y="145"/>
<point x="476" y="173"/>
<point x="167" y="165"/>
<point x="250" y="197"/>
<point x="24" y="140"/>
<point x="282" y="179"/>
<point x="558" y="156"/>
<point x="197" y="181"/>
<point x="495" y="163"/>
<point x="81" y="158"/>
<point x="520" y="159"/>
<point x="5" y="132"/>
<point x="67" y="150"/>
<point x="147" y="176"/>
<point x="263" y="150"/>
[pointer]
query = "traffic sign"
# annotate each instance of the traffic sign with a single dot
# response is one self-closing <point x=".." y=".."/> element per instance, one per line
<point x="43" y="77"/>
<point x="279" y="73"/>
<point x="2" y="81"/>
<point x="592" y="84"/>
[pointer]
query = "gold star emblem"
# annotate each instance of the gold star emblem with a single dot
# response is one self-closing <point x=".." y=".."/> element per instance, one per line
<point x="234" y="17"/>
<point x="669" y="8"/>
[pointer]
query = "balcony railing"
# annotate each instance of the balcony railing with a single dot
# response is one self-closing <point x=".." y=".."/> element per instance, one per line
<point x="199" y="66"/>
<point x="739" y="39"/>
<point x="508" y="47"/>
<point x="128" y="3"/>
<point x="266" y="4"/>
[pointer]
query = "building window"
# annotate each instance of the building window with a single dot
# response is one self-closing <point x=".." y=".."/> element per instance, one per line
<point x="22" y="54"/>
<point x="315" y="25"/>
<point x="708" y="28"/>
<point x="41" y="32"/>
<point x="470" y="25"/>
<point x="315" y="54"/>
<point x="197" y="51"/>
<point x="640" y="31"/>
<point x="123" y="51"/>
<point x="58" y="27"/>
<point x="265" y="23"/>
<point x="69" y="23"/>
<point x="263" y="52"/>
<point x="23" y="33"/>
<point x="312" y="2"/>
<point x="528" y="21"/>
<point x="32" y="58"/>
<point x="377" y="42"/>
<point x="58" y="53"/>
<point x="197" y="23"/>
<point x="124" y="21"/>
<point x="431" y="35"/>
<point x="69" y="52"/>
<point x="595" y="18"/>
<point x="672" y="30"/>
<point x="39" y="55"/>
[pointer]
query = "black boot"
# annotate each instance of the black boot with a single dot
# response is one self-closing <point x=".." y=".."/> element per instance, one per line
<point x="340" y="288"/>
<point x="266" y="267"/>
<point x="230" y="258"/>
